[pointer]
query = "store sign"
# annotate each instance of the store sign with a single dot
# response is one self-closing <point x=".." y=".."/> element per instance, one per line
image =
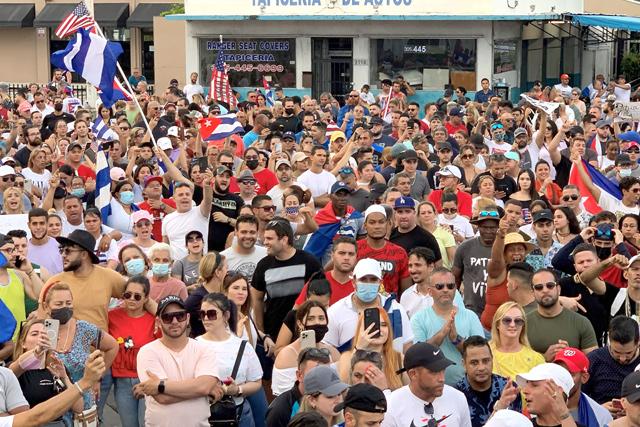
<point x="627" y="110"/>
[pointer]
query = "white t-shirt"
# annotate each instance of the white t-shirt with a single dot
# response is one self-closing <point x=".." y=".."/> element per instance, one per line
<point x="622" y="95"/>
<point x="343" y="320"/>
<point x="6" y="421"/>
<point x="564" y="90"/>
<point x="318" y="183"/>
<point x="413" y="301"/>
<point x="245" y="264"/>
<point x="39" y="180"/>
<point x="404" y="407"/>
<point x="191" y="89"/>
<point x="497" y="148"/>
<point x="176" y="225"/>
<point x="11" y="396"/>
<point x="459" y="224"/>
<point x="609" y="203"/>
<point x="226" y="352"/>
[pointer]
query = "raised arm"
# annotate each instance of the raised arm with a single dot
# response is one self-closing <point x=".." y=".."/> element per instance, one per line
<point x="497" y="268"/>
<point x="207" y="198"/>
<point x="541" y="128"/>
<point x="586" y="179"/>
<point x="554" y="153"/>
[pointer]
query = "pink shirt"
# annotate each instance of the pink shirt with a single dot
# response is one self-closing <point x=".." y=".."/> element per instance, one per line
<point x="172" y="286"/>
<point x="191" y="362"/>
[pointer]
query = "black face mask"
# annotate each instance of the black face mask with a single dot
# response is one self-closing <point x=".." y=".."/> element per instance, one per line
<point x="603" y="253"/>
<point x="59" y="193"/>
<point x="63" y="314"/>
<point x="57" y="107"/>
<point x="252" y="164"/>
<point x="320" y="330"/>
<point x="289" y="111"/>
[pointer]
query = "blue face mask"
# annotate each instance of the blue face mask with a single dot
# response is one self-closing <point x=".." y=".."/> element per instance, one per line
<point x="160" y="269"/>
<point x="78" y="192"/>
<point x="126" y="197"/>
<point x="134" y="266"/>
<point x="367" y="292"/>
<point x="3" y="260"/>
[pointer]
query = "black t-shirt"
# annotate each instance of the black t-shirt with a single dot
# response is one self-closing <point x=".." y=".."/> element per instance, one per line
<point x="229" y="204"/>
<point x="192" y="304"/>
<point x="506" y="184"/>
<point x="360" y="199"/>
<point x="385" y="140"/>
<point x="414" y="238"/>
<point x="290" y="322"/>
<point x="563" y="167"/>
<point x="22" y="156"/>
<point x="282" y="281"/>
<point x="38" y="386"/>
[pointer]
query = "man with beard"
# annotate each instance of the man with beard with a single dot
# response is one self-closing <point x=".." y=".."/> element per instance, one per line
<point x="265" y="179"/>
<point x="289" y="121"/>
<point x="173" y="390"/>
<point x="158" y="125"/>
<point x="225" y="209"/>
<point x="522" y="140"/>
<point x="572" y="199"/>
<point x="427" y="400"/>
<point x="584" y="409"/>
<point x="34" y="140"/>
<point x="628" y="405"/>
<point x="316" y="178"/>
<point x="193" y="87"/>
<point x="407" y="233"/>
<point x="471" y="259"/>
<point x="155" y="204"/>
<point x="244" y="255"/>
<point x="42" y="249"/>
<point x="485" y="392"/>
<point x="379" y="138"/>
<point x="49" y="122"/>
<point x="551" y="327"/>
<point x="92" y="286"/>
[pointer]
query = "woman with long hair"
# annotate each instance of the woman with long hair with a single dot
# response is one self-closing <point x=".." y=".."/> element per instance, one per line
<point x="509" y="344"/>
<point x="566" y="225"/>
<point x="366" y="175"/>
<point x="12" y="203"/>
<point x="311" y="315"/>
<point x="323" y="401"/>
<point x="365" y="339"/>
<point x="37" y="172"/>
<point x="219" y="317"/>
<point x="428" y="219"/>
<point x="104" y="114"/>
<point x="526" y="192"/>
<point x="467" y="160"/>
<point x="133" y="260"/>
<point x="629" y="225"/>
<point x="132" y="327"/>
<point x="545" y="185"/>
<point x="212" y="271"/>
<point x="93" y="224"/>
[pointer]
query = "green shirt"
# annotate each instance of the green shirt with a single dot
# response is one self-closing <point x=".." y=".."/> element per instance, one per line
<point x="568" y="326"/>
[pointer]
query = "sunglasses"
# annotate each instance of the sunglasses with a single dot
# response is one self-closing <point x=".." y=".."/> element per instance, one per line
<point x="467" y="157"/>
<point x="67" y="250"/>
<point x="208" y="314"/>
<point x="441" y="286"/>
<point x="633" y="150"/>
<point x="136" y="296"/>
<point x="573" y="197"/>
<point x="540" y="286"/>
<point x="492" y="214"/>
<point x="141" y="224"/>
<point x="194" y="239"/>
<point x="167" y="318"/>
<point x="229" y="165"/>
<point x="449" y="210"/>
<point x="314" y="352"/>
<point x="248" y="182"/>
<point x="518" y="321"/>
<point x="268" y="208"/>
<point x="10" y="178"/>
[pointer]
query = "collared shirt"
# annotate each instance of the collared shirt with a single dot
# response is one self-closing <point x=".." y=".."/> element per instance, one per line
<point x="537" y="259"/>
<point x="481" y="402"/>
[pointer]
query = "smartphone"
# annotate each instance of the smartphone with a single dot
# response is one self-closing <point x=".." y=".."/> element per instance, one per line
<point x="278" y="147"/>
<point x="112" y="122"/>
<point x="203" y="163"/>
<point x="372" y="317"/>
<point x="51" y="327"/>
<point x="307" y="339"/>
<point x="98" y="339"/>
<point x="28" y="185"/>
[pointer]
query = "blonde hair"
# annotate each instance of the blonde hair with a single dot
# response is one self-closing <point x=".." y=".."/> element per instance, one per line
<point x="500" y="313"/>
<point x="34" y="154"/>
<point x="305" y="406"/>
<point x="24" y="331"/>
<point x="209" y="264"/>
<point x="5" y="203"/>
<point x="48" y="292"/>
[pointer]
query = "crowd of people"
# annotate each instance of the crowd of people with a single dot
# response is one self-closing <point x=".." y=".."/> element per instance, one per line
<point x="366" y="261"/>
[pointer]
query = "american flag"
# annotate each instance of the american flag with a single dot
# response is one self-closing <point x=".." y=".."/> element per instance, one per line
<point x="220" y="87"/>
<point x="78" y="18"/>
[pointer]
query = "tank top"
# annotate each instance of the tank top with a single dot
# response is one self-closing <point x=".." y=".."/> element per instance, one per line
<point x="496" y="296"/>
<point x="12" y="294"/>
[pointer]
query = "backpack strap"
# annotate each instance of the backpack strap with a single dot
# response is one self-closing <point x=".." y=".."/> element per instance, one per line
<point x="236" y="365"/>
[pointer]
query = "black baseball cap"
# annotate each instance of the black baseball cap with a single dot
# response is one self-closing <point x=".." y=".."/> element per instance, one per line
<point x="425" y="355"/>
<point x="167" y="301"/>
<point x="376" y="121"/>
<point x="364" y="397"/>
<point x="631" y="387"/>
<point x="543" y="215"/>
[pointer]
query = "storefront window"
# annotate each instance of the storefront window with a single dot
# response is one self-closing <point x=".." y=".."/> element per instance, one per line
<point x="425" y="63"/>
<point x="505" y="56"/>
<point x="252" y="59"/>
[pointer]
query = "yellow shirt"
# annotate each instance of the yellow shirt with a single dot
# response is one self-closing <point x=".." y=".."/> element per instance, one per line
<point x="511" y="364"/>
<point x="12" y="295"/>
<point x="445" y="240"/>
<point x="92" y="293"/>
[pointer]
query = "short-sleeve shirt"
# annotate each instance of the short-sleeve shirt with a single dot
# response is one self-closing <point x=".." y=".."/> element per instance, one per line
<point x="338" y="290"/>
<point x="127" y="330"/>
<point x="568" y="326"/>
<point x="472" y="257"/>
<point x="245" y="264"/>
<point x="10" y="393"/>
<point x="317" y="183"/>
<point x="266" y="180"/>
<point x="176" y="225"/>
<point x="193" y="361"/>
<point x="158" y="215"/>
<point x="609" y="203"/>
<point x="465" y="202"/>
<point x="393" y="261"/>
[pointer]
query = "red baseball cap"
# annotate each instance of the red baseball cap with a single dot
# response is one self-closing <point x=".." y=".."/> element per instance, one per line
<point x="574" y="358"/>
<point x="564" y="76"/>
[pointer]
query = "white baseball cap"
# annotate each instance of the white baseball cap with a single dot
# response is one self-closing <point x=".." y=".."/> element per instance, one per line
<point x="164" y="143"/>
<point x="375" y="209"/>
<point x="508" y="418"/>
<point x="450" y="170"/>
<point x="173" y="131"/>
<point x="548" y="371"/>
<point x="6" y="170"/>
<point x="367" y="267"/>
<point x="633" y="259"/>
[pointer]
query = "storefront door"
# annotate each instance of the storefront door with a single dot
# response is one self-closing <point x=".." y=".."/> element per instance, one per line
<point x="332" y="66"/>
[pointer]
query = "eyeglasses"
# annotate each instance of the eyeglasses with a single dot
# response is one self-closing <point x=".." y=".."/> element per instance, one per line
<point x="540" y="286"/>
<point x="208" y="314"/>
<point x="518" y="321"/>
<point x="136" y="296"/>
<point x="573" y="197"/>
<point x="10" y="178"/>
<point x="167" y="318"/>
<point x="441" y="286"/>
<point x="66" y="250"/>
<point x="449" y="210"/>
<point x="267" y="208"/>
<point x="635" y="190"/>
<point x="467" y="156"/>
<point x="141" y="224"/>
<point x="229" y="165"/>
<point x="194" y="239"/>
<point x="20" y="184"/>
<point x="248" y="182"/>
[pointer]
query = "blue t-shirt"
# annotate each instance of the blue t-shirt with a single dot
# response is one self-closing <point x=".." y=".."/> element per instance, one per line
<point x="249" y="138"/>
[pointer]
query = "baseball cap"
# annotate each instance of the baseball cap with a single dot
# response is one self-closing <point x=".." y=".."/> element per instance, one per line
<point x="631" y="261"/>
<point x="74" y="145"/>
<point x="323" y="379"/>
<point x="520" y="131"/>
<point x="631" y="387"/>
<point x="375" y="209"/>
<point x="168" y="300"/>
<point x="138" y="216"/>
<point x="444" y="146"/>
<point x="377" y="190"/>
<point x="173" y="131"/>
<point x="508" y="418"/>
<point x="623" y="159"/>
<point x="289" y="135"/>
<point x="282" y="162"/>
<point x="164" y="143"/>
<point x="456" y="111"/>
<point x="150" y="178"/>
<point x="117" y="174"/>
<point x="574" y="358"/>
<point x="564" y="76"/>
<point x="246" y="175"/>
<point x="630" y="136"/>
<point x="364" y="397"/>
<point x="376" y="121"/>
<point x="6" y="170"/>
<point x="221" y="169"/>
<point x="543" y="215"/>
<point x="346" y="170"/>
<point x="450" y="170"/>
<point x="409" y="154"/>
<point x="340" y="186"/>
<point x="367" y="267"/>
<point x="404" y="202"/>
<point x="602" y="123"/>
<point x="547" y="371"/>
<point x="337" y="134"/>
<point x="512" y="155"/>
<point x="398" y="149"/>
<point x="425" y="355"/>
<point x="298" y="157"/>
<point x="7" y="159"/>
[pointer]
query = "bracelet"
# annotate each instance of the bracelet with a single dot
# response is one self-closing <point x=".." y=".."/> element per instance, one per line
<point x="79" y="388"/>
<point x="565" y="416"/>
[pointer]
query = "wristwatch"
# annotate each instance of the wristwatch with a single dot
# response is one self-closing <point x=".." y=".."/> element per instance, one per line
<point x="161" y="387"/>
<point x="458" y="340"/>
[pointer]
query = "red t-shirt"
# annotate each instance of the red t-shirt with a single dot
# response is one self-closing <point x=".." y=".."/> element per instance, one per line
<point x="86" y="172"/>
<point x="125" y="328"/>
<point x="338" y="290"/>
<point x="266" y="181"/>
<point x="158" y="215"/>
<point x="465" y="202"/>
<point x="393" y="260"/>
<point x="453" y="129"/>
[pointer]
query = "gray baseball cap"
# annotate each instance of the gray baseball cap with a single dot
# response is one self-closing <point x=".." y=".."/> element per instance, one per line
<point x="323" y="379"/>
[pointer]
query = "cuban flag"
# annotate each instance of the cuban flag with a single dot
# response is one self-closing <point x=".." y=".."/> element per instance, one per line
<point x="599" y="180"/>
<point x="103" y="185"/>
<point x="91" y="56"/>
<point x="268" y="93"/>
<point x="119" y="93"/>
<point x="330" y="227"/>
<point x="219" y="127"/>
<point x="102" y="131"/>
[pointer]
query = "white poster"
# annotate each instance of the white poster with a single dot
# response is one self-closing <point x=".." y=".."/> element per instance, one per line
<point x="14" y="222"/>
